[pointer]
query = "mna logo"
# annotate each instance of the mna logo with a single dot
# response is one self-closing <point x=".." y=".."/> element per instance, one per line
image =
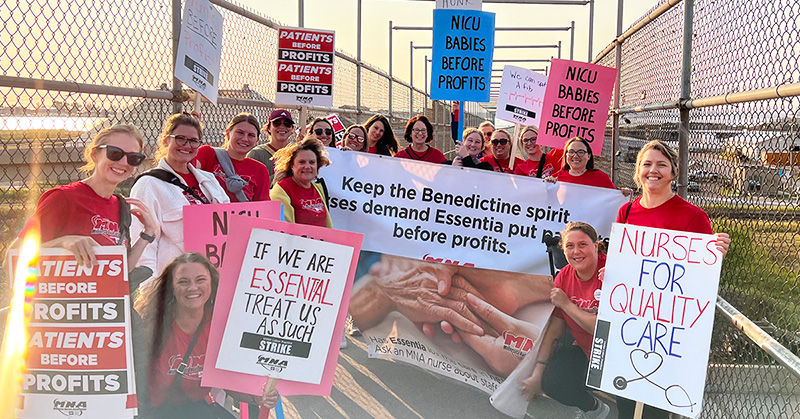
<point x="519" y="345"/>
<point x="272" y="364"/>
<point x="69" y="408"/>
<point x="428" y="258"/>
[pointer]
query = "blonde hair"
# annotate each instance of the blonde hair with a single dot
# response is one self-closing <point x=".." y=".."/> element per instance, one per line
<point x="469" y="131"/>
<point x="585" y="228"/>
<point x="502" y="131"/>
<point x="170" y="125"/>
<point x="284" y="158"/>
<point x="102" y="138"/>
<point x="666" y="150"/>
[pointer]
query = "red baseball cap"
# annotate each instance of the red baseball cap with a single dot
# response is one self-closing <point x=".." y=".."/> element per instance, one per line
<point x="280" y="114"/>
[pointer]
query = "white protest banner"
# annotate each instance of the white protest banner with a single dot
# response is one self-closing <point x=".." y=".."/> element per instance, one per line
<point x="655" y="318"/>
<point x="285" y="305"/>
<point x="200" y="48"/>
<point x="459" y="216"/>
<point x="521" y="96"/>
<point x="305" y="67"/>
<point x="460" y="4"/>
<point x="80" y="359"/>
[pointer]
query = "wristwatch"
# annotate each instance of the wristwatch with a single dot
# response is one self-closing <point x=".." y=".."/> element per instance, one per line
<point x="146" y="237"/>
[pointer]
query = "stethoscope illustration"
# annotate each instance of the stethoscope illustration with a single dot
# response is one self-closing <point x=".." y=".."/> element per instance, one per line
<point x="671" y="393"/>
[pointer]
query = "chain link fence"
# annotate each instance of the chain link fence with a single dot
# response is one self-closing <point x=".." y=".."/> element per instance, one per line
<point x="743" y="168"/>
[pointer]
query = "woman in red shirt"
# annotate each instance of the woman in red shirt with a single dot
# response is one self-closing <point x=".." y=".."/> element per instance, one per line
<point x="576" y="295"/>
<point x="578" y="166"/>
<point x="500" y="159"/>
<point x="380" y="138"/>
<point x="538" y="164"/>
<point x="419" y="132"/>
<point x="296" y="168"/>
<point x="355" y="138"/>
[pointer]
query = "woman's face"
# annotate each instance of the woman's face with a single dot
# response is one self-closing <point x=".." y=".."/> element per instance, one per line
<point x="323" y="132"/>
<point x="655" y="171"/>
<point x="419" y="133"/>
<point x="375" y="133"/>
<point x="191" y="283"/>
<point x="529" y="143"/>
<point x="182" y="145"/>
<point x="281" y="129"/>
<point x="355" y="139"/>
<point x="304" y="166"/>
<point x="577" y="156"/>
<point x="580" y="250"/>
<point x="473" y="144"/>
<point x="114" y="172"/>
<point x="241" y="138"/>
<point x="501" y="145"/>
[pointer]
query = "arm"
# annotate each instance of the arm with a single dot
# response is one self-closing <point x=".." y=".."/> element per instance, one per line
<point x="278" y="194"/>
<point x="532" y="386"/>
<point x="149" y="226"/>
<point x="143" y="192"/>
<point x="584" y="319"/>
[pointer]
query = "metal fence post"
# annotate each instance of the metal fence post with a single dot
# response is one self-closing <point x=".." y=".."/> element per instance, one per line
<point x="358" y="67"/>
<point x="391" y="76"/>
<point x="572" y="41"/>
<point x="177" y="105"/>
<point x="591" y="28"/>
<point x="686" y="85"/>
<point x="617" y="84"/>
<point x="411" y="80"/>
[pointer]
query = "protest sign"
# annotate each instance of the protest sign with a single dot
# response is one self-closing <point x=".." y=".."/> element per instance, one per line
<point x="460" y="4"/>
<point x="285" y="315"/>
<point x="338" y="127"/>
<point x="200" y="48"/>
<point x="463" y="44"/>
<point x="305" y="67"/>
<point x="655" y="318"/>
<point x="459" y="216"/>
<point x="521" y="96"/>
<point x="79" y="360"/>
<point x="576" y="103"/>
<point x="205" y="227"/>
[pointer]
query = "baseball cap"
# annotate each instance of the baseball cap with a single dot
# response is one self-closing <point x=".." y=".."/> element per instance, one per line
<point x="280" y="114"/>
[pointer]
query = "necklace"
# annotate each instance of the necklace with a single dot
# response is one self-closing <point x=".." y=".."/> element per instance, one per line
<point x="577" y="173"/>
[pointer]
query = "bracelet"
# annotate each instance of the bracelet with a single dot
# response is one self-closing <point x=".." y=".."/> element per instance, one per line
<point x="146" y="237"/>
<point x="542" y="362"/>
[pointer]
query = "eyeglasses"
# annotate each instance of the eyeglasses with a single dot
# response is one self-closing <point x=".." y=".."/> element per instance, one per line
<point x="531" y="140"/>
<point x="501" y="141"/>
<point x="194" y="143"/>
<point x="419" y="130"/>
<point x="488" y="134"/>
<point x="327" y="131"/>
<point x="286" y="123"/>
<point x="354" y="137"/>
<point x="579" y="153"/>
<point x="116" y="154"/>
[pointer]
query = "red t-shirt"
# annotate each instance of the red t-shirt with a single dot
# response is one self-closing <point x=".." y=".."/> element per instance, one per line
<point x="589" y="178"/>
<point x="194" y="185"/>
<point x="76" y="209"/>
<point x="252" y="171"/>
<point x="675" y="214"/>
<point x="162" y="375"/>
<point x="372" y="150"/>
<point x="430" y="155"/>
<point x="501" y="165"/>
<point x="529" y="167"/>
<point x="585" y="295"/>
<point x="307" y="203"/>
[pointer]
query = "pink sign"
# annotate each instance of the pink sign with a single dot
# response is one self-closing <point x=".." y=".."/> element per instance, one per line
<point x="267" y="347"/>
<point x="576" y="103"/>
<point x="205" y="227"/>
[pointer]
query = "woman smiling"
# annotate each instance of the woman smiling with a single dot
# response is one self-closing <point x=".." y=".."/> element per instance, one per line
<point x="419" y="132"/>
<point x="296" y="168"/>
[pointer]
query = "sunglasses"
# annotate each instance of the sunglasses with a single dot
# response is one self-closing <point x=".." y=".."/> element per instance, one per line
<point x="286" y="123"/>
<point x="194" y="143"/>
<point x="488" y="134"/>
<point x="501" y="141"/>
<point x="327" y="131"/>
<point x="354" y="137"/>
<point x="116" y="154"/>
<point x="579" y="153"/>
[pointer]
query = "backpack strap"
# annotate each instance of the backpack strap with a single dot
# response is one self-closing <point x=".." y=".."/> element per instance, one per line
<point x="124" y="221"/>
<point x="233" y="182"/>
<point x="627" y="211"/>
<point x="541" y="166"/>
<point x="326" y="197"/>
<point x="171" y="178"/>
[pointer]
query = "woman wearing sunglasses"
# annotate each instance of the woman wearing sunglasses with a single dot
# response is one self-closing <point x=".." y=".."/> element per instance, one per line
<point x="85" y="214"/>
<point x="538" y="164"/>
<point x="321" y="129"/>
<point x="501" y="152"/>
<point x="355" y="138"/>
<point x="419" y="132"/>
<point x="172" y="185"/>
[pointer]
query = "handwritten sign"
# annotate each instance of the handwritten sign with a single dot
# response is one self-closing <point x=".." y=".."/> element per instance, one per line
<point x="305" y="67"/>
<point x="459" y="4"/>
<point x="200" y="48"/>
<point x="205" y="229"/>
<point x="655" y="318"/>
<point x="80" y="358"/>
<point x="285" y="315"/>
<point x="463" y="45"/>
<point x="521" y="96"/>
<point x="576" y="103"/>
